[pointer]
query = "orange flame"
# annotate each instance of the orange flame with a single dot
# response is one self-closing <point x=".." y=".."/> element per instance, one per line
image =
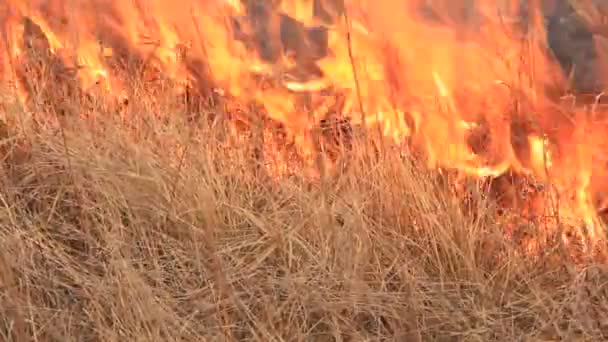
<point x="472" y="84"/>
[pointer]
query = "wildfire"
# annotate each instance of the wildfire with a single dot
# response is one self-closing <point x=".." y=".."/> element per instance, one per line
<point x="474" y="85"/>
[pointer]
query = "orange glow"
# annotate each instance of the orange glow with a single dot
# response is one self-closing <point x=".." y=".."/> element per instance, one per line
<point x="438" y="77"/>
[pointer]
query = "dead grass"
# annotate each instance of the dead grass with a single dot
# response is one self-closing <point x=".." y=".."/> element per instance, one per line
<point x="115" y="232"/>
<point x="145" y="226"/>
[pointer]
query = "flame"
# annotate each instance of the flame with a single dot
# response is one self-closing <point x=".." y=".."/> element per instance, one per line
<point x="472" y="84"/>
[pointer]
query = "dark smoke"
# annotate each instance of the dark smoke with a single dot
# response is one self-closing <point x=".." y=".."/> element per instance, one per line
<point x="273" y="34"/>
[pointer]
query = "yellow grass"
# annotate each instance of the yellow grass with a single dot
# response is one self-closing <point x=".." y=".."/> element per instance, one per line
<point x="156" y="229"/>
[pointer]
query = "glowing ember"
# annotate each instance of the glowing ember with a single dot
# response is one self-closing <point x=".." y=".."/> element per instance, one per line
<point x="474" y="87"/>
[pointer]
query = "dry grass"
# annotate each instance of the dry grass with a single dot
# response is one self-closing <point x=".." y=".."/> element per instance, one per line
<point x="149" y="227"/>
<point x="112" y="232"/>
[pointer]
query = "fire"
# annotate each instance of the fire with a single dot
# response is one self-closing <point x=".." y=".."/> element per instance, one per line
<point x="473" y="85"/>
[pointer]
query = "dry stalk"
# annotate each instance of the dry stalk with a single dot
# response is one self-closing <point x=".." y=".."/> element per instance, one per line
<point x="354" y="66"/>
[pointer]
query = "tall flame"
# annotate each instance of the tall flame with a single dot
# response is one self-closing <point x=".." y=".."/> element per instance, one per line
<point x="472" y="84"/>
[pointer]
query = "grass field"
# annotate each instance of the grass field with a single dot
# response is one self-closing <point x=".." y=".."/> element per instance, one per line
<point x="151" y="231"/>
<point x="155" y="225"/>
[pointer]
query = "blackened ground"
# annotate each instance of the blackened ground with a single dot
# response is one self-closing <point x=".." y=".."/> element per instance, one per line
<point x="573" y="45"/>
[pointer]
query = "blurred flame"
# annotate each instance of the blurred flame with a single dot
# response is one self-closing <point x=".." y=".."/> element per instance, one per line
<point x="438" y="72"/>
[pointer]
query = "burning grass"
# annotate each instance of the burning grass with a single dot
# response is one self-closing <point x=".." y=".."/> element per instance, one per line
<point x="141" y="202"/>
